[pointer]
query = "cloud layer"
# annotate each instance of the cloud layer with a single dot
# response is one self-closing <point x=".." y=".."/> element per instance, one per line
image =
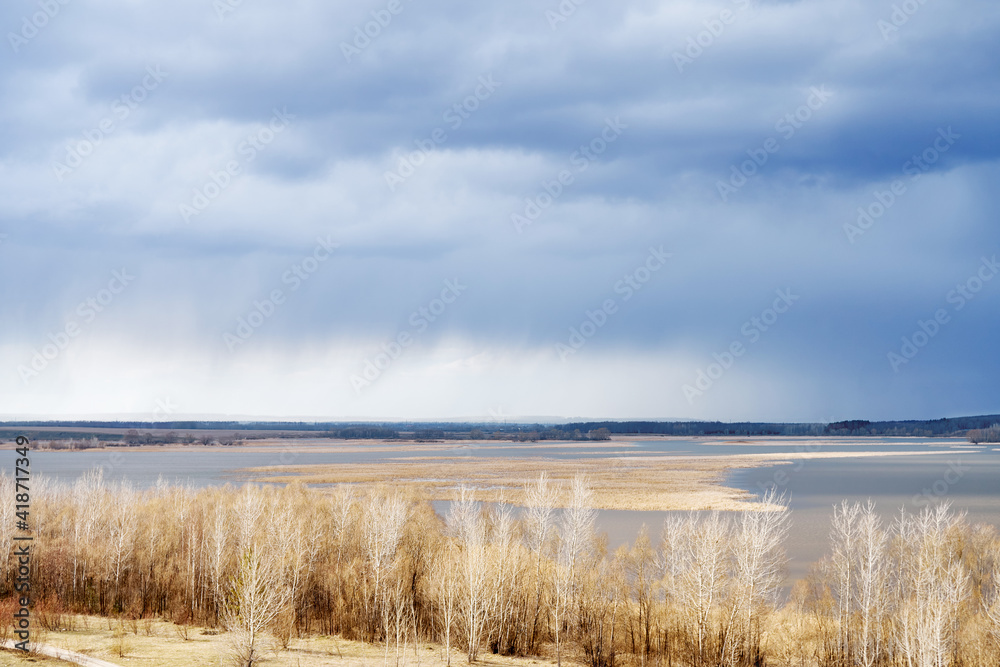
<point x="287" y="190"/>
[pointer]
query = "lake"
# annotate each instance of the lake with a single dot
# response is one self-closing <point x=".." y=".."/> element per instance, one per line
<point x="967" y="476"/>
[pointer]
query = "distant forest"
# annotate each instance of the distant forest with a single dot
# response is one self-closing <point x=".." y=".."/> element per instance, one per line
<point x="91" y="433"/>
<point x="955" y="426"/>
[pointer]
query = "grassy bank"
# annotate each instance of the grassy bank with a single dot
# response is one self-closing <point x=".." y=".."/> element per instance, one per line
<point x="156" y="643"/>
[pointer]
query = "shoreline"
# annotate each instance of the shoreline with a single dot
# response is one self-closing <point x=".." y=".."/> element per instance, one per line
<point x="624" y="475"/>
<point x="357" y="445"/>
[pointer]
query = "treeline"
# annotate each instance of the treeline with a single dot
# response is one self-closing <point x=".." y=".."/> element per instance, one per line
<point x="991" y="434"/>
<point x="178" y="425"/>
<point x="540" y="434"/>
<point x="69" y="443"/>
<point x="209" y="432"/>
<point x="363" y="433"/>
<point x="690" y="429"/>
<point x="267" y="564"/>
<point x="955" y="426"/>
<point x="135" y="437"/>
<point x="371" y="432"/>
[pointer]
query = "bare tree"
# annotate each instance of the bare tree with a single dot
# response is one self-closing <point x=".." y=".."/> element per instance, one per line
<point x="603" y="592"/>
<point x="540" y="498"/>
<point x="506" y="581"/>
<point x="640" y="566"/>
<point x="577" y="529"/>
<point x="86" y="511"/>
<point x="695" y="552"/>
<point x="218" y="554"/>
<point x="122" y="525"/>
<point x="932" y="585"/>
<point x="445" y="586"/>
<point x="385" y="518"/>
<point x="466" y="524"/>
<point x="256" y="596"/>
<point x="342" y="523"/>
<point x="871" y="599"/>
<point x="343" y="503"/>
<point x="844" y="561"/>
<point x="7" y="525"/>
<point x="991" y="605"/>
<point x="182" y="512"/>
<point x="758" y="560"/>
<point x="248" y="510"/>
<point x="301" y="558"/>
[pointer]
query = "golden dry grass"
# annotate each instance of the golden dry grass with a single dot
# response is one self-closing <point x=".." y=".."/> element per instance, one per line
<point x="653" y="483"/>
<point x="622" y="478"/>
<point x="618" y="483"/>
<point x="164" y="647"/>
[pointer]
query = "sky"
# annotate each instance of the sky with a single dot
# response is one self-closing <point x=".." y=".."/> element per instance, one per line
<point x="406" y="209"/>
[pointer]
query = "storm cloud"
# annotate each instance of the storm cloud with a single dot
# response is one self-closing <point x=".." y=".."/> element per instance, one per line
<point x="421" y="208"/>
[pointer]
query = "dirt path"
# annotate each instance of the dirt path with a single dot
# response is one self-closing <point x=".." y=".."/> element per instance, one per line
<point x="63" y="654"/>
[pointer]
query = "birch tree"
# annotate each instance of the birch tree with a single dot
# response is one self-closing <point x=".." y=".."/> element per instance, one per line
<point x="696" y="551"/>
<point x="385" y="518"/>
<point x="577" y="527"/>
<point x="871" y="597"/>
<point x="845" y="540"/>
<point x="505" y="567"/>
<point x="933" y="585"/>
<point x="540" y="498"/>
<point x="217" y="551"/>
<point x="255" y="598"/>
<point x="122" y="525"/>
<point x="445" y="590"/>
<point x="758" y="561"/>
<point x="466" y="524"/>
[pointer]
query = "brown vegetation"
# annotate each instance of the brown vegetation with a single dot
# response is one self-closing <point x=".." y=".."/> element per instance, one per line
<point x="270" y="567"/>
<point x="978" y="435"/>
<point x="649" y="482"/>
